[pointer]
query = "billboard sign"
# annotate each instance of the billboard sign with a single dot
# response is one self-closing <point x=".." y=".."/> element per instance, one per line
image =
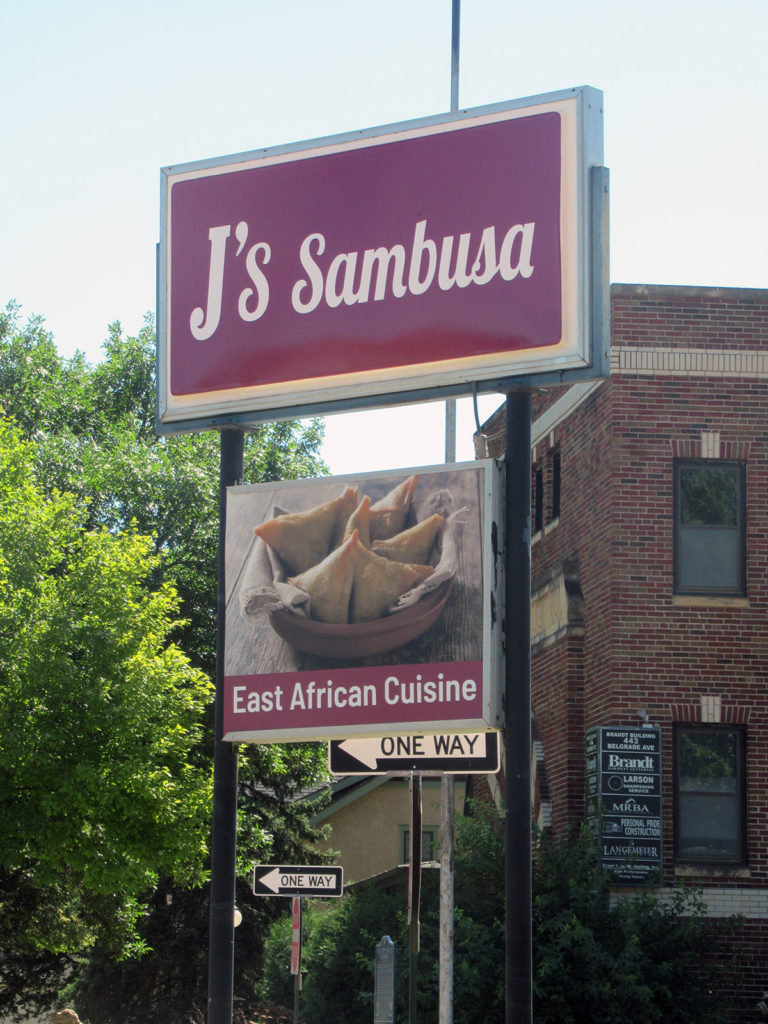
<point x="426" y="255"/>
<point x="624" y="799"/>
<point x="362" y="606"/>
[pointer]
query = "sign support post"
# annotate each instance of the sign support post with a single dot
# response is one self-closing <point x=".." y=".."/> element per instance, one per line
<point x="447" y="788"/>
<point x="414" y="896"/>
<point x="296" y="913"/>
<point x="447" y="851"/>
<point x="517" y="708"/>
<point x="221" y="945"/>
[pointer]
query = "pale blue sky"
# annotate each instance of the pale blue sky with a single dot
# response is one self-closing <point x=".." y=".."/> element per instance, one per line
<point x="95" y="98"/>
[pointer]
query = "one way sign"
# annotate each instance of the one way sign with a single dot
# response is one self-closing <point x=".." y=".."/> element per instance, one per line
<point x="454" y="753"/>
<point x="280" y="880"/>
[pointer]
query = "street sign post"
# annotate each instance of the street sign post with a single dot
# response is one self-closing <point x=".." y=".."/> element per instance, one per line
<point x="284" y="290"/>
<point x="296" y="952"/>
<point x="444" y="753"/>
<point x="282" y="880"/>
<point x="296" y="936"/>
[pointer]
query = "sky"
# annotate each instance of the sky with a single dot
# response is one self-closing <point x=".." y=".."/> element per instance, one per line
<point x="95" y="98"/>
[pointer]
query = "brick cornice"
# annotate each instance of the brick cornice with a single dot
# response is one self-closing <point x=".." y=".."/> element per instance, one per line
<point x="647" y="361"/>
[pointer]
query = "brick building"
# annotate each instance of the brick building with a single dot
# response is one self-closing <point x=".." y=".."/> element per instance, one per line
<point x="650" y="591"/>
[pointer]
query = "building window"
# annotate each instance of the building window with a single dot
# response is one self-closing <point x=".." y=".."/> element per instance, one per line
<point x="555" y="485"/>
<point x="538" y="497"/>
<point x="709" y="527"/>
<point x="710" y="795"/>
<point x="428" y="844"/>
<point x="545" y="491"/>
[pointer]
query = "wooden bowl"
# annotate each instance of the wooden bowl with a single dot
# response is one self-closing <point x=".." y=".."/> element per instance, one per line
<point x="360" y="639"/>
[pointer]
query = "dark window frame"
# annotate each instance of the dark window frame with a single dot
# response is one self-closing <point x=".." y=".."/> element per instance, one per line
<point x="556" y="462"/>
<point x="706" y="858"/>
<point x="538" y="497"/>
<point x="740" y="530"/>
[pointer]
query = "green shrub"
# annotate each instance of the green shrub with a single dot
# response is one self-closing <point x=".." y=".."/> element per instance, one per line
<point x="632" y="960"/>
<point x="636" y="959"/>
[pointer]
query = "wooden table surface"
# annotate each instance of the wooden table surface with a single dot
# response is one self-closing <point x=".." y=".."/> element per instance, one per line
<point x="253" y="647"/>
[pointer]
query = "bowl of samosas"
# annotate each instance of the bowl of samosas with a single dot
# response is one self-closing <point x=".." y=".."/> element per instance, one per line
<point x="355" y="578"/>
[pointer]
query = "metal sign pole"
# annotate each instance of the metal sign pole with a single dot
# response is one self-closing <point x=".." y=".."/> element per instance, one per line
<point x="517" y="708"/>
<point x="447" y="810"/>
<point x="447" y="791"/>
<point x="221" y="942"/>
<point x="455" y="37"/>
<point x="450" y="405"/>
<point x="298" y="927"/>
<point x="414" y="896"/>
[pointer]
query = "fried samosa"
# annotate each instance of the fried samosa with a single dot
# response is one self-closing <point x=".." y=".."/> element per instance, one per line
<point x="412" y="545"/>
<point x="346" y="507"/>
<point x="378" y="582"/>
<point x="302" y="539"/>
<point x="388" y="515"/>
<point x="422" y="571"/>
<point x="329" y="584"/>
<point x="360" y="520"/>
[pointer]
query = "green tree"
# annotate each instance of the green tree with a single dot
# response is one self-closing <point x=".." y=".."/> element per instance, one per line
<point x="630" y="960"/>
<point x="479" y="915"/>
<point x="170" y="981"/>
<point x="90" y="432"/>
<point x="101" y="785"/>
<point x="94" y="436"/>
<point x="340" y="939"/>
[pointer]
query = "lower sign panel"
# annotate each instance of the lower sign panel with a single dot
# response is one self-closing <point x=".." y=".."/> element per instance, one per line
<point x="285" y="880"/>
<point x="357" y="645"/>
<point x="452" y="753"/>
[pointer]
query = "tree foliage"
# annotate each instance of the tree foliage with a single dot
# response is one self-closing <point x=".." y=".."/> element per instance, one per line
<point x="629" y="960"/>
<point x="93" y="429"/>
<point x="101" y="786"/>
<point x="340" y="939"/>
<point x="108" y="572"/>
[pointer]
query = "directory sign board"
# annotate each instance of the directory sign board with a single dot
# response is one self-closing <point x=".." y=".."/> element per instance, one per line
<point x="433" y="254"/>
<point x="624" y="799"/>
<point x="363" y="606"/>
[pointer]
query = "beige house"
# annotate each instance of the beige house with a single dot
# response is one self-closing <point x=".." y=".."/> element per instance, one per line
<point x="370" y="822"/>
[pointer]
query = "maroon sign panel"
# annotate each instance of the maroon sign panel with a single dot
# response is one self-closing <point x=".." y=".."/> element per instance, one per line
<point x="373" y="264"/>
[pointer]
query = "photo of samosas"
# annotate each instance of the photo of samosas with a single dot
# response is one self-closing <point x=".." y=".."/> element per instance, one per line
<point x="330" y="554"/>
<point x="363" y="570"/>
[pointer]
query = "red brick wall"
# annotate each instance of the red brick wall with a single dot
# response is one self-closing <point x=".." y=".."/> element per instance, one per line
<point x="642" y="649"/>
<point x="688" y="317"/>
